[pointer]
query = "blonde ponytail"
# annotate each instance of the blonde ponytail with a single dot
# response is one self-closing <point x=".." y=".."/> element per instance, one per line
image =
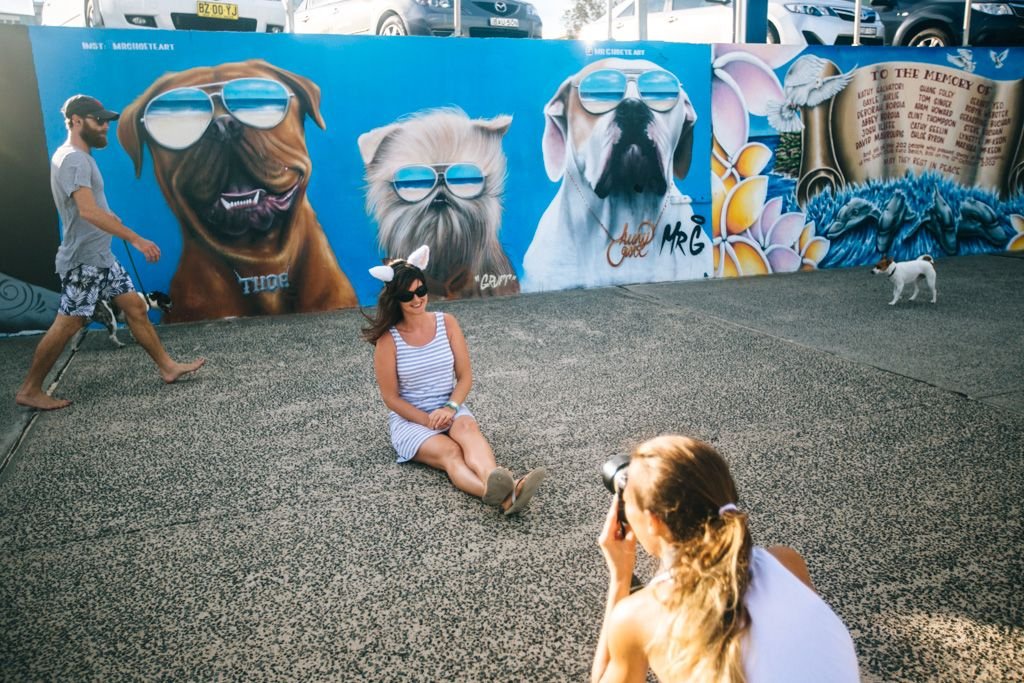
<point x="690" y="482"/>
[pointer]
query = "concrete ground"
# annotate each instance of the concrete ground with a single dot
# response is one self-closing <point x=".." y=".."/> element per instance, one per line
<point x="251" y="524"/>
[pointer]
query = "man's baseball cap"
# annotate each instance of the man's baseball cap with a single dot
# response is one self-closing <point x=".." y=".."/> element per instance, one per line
<point x="83" y="105"/>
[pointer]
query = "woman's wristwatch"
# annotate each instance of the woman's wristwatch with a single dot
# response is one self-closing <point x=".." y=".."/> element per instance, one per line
<point x="453" y="405"/>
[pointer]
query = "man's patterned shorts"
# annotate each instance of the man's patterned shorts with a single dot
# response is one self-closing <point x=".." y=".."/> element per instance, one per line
<point x="83" y="286"/>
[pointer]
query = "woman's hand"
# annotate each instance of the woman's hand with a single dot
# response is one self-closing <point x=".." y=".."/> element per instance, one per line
<point x="441" y="419"/>
<point x="619" y="548"/>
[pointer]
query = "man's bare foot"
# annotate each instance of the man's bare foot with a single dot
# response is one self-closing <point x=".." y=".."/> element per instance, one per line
<point x="40" y="401"/>
<point x="179" y="370"/>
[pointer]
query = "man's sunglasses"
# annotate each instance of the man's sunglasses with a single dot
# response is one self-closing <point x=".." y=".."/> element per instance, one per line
<point x="601" y="91"/>
<point x="407" y="296"/>
<point x="178" y="118"/>
<point x="414" y="183"/>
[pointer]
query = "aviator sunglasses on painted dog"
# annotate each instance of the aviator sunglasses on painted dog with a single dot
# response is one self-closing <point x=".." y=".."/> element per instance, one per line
<point x="178" y="118"/>
<point x="601" y="91"/>
<point x="407" y="296"/>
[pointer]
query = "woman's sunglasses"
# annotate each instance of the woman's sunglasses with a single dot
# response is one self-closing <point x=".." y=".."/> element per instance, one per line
<point x="178" y="118"/>
<point x="414" y="183"/>
<point x="407" y="296"/>
<point x="603" y="90"/>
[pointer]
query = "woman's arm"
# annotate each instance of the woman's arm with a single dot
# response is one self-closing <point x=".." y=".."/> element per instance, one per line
<point x="463" y="369"/>
<point x="385" y="366"/>
<point x="619" y="655"/>
<point x="794" y="562"/>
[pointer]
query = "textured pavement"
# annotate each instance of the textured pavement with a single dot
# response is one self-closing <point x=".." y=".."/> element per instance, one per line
<point x="251" y="524"/>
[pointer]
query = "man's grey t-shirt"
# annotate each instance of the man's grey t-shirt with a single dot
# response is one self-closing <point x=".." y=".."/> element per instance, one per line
<point x="83" y="243"/>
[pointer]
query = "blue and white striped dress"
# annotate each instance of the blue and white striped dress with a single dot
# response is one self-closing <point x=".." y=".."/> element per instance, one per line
<point x="426" y="378"/>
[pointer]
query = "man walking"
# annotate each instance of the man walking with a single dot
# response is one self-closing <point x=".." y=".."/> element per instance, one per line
<point x="86" y="265"/>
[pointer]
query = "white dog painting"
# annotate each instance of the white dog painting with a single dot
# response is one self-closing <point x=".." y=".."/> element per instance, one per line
<point x="617" y="134"/>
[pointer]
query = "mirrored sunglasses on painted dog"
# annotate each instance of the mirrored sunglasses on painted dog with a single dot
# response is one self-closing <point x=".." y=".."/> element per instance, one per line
<point x="415" y="182"/>
<point x="178" y="118"/>
<point x="601" y="91"/>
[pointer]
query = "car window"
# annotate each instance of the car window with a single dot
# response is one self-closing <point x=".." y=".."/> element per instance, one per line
<point x="627" y="12"/>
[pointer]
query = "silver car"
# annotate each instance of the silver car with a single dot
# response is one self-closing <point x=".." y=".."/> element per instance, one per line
<point x="480" y="18"/>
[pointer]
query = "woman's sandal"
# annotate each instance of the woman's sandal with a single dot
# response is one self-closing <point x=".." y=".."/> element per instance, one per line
<point x="499" y="485"/>
<point x="521" y="498"/>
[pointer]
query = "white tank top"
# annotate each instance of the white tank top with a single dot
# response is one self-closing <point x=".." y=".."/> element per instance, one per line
<point x="794" y="636"/>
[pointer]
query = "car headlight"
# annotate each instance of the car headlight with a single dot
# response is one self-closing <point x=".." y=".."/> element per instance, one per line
<point x="992" y="7"/>
<point x="812" y="10"/>
<point x="436" y="4"/>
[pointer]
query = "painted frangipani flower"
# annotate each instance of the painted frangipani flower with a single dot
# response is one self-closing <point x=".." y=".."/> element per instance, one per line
<point x="1017" y="241"/>
<point x="741" y="84"/>
<point x="752" y="237"/>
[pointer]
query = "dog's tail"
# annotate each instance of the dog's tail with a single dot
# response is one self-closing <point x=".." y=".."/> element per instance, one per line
<point x="926" y="257"/>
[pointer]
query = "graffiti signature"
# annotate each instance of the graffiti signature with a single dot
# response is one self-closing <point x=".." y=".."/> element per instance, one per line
<point x="492" y="281"/>
<point x="629" y="245"/>
<point x="676" y="237"/>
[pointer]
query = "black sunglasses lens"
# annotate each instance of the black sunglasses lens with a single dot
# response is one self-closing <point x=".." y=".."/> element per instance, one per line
<point x="407" y="296"/>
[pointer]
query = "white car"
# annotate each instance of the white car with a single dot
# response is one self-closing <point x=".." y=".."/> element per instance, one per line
<point x="813" y="22"/>
<point x="262" y="16"/>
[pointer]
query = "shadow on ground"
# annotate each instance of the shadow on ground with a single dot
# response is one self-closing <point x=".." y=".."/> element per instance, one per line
<point x="251" y="524"/>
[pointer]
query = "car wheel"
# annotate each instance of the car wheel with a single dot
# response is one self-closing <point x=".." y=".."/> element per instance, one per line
<point x="392" y="26"/>
<point x="930" y="37"/>
<point x="93" y="18"/>
<point x="773" y="36"/>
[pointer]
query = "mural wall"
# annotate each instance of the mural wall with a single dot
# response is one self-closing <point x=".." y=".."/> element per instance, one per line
<point x="831" y="157"/>
<point x="273" y="171"/>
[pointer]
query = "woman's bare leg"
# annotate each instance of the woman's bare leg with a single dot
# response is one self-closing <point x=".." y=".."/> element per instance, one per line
<point x="443" y="453"/>
<point x="476" y="451"/>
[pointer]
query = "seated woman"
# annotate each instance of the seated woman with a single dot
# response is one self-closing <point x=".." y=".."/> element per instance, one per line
<point x="718" y="610"/>
<point x="423" y="371"/>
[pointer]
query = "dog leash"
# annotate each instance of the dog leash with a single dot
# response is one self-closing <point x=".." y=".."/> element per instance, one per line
<point x="142" y="287"/>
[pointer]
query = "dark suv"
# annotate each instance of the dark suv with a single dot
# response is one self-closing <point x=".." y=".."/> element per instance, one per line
<point x="939" y="23"/>
<point x="480" y="18"/>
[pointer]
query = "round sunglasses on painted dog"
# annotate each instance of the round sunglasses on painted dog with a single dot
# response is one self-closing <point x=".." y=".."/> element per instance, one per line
<point x="415" y="182"/>
<point x="407" y="296"/>
<point x="601" y="91"/>
<point x="178" y="118"/>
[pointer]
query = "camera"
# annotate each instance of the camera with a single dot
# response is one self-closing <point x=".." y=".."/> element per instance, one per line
<point x="614" y="474"/>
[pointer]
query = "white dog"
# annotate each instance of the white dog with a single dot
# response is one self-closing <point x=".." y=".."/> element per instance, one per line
<point x="616" y="135"/>
<point x="907" y="272"/>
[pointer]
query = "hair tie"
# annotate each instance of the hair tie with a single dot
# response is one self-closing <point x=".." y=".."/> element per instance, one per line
<point x="728" y="507"/>
<point x="418" y="258"/>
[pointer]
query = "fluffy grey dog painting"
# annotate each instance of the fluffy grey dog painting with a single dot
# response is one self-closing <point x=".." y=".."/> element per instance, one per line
<point x="437" y="177"/>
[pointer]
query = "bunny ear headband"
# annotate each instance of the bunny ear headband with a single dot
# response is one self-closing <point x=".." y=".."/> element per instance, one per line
<point x="418" y="258"/>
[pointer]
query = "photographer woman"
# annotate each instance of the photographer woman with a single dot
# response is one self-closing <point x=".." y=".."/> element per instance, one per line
<point x="719" y="609"/>
<point x="423" y="371"/>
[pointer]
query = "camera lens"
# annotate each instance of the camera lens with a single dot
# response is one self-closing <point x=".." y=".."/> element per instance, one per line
<point x="613" y="472"/>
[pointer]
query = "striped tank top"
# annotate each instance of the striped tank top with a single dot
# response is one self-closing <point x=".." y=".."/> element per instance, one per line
<point x="426" y="374"/>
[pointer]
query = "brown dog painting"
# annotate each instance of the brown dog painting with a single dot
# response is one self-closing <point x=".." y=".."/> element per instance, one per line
<point x="229" y="152"/>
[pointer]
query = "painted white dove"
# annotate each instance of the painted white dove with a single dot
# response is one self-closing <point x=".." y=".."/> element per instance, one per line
<point x="804" y="87"/>
<point x="998" y="57"/>
<point x="963" y="59"/>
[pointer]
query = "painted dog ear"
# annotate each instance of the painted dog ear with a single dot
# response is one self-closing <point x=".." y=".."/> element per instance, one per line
<point x="130" y="131"/>
<point x="306" y="90"/>
<point x="556" y="131"/>
<point x="683" y="154"/>
<point x="370" y="142"/>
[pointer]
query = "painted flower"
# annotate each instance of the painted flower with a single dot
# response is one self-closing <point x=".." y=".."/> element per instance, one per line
<point x="1017" y="241"/>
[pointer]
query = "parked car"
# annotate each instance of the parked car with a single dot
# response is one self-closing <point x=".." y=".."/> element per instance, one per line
<point x="17" y="12"/>
<point x="263" y="16"/>
<point x="480" y="18"/>
<point x="814" y="22"/>
<point x="940" y="23"/>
